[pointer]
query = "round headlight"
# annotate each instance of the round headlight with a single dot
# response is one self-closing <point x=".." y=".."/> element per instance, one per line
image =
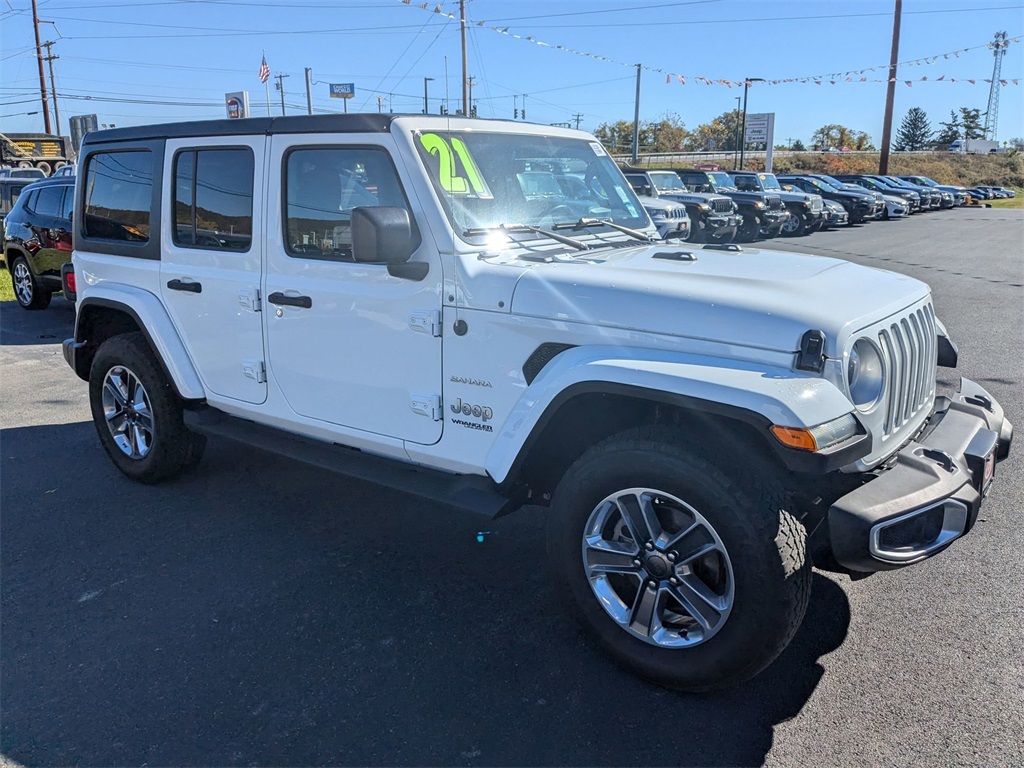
<point x="865" y="374"/>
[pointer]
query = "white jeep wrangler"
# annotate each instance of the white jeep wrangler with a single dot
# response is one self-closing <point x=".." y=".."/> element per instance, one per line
<point x="474" y="311"/>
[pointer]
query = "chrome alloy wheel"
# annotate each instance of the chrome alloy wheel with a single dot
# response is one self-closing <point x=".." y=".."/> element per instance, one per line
<point x="658" y="568"/>
<point x="792" y="224"/>
<point x="23" y="283"/>
<point x="127" y="412"/>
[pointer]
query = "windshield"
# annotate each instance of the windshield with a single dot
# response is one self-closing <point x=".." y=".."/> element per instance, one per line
<point x="768" y="181"/>
<point x="923" y="180"/>
<point x="829" y="180"/>
<point x="826" y="187"/>
<point x="486" y="180"/>
<point x="722" y="180"/>
<point x="668" y="182"/>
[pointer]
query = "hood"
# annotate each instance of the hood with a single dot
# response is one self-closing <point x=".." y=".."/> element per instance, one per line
<point x="690" y="197"/>
<point x="659" y="203"/>
<point x="753" y="298"/>
<point x="795" y="197"/>
<point x="746" y="197"/>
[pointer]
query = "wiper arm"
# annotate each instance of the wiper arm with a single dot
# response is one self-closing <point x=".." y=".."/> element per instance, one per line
<point x="584" y="223"/>
<point x="513" y="228"/>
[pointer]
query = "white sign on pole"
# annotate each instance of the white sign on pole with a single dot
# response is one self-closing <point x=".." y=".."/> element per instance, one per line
<point x="760" y="129"/>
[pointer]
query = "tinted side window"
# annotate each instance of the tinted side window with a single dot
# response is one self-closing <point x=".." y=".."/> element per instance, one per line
<point x="16" y="193"/>
<point x="322" y="188"/>
<point x="68" y="204"/>
<point x="213" y="199"/>
<point x="46" y="201"/>
<point x="118" y="195"/>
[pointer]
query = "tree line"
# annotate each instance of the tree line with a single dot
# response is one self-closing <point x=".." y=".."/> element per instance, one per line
<point x="723" y="134"/>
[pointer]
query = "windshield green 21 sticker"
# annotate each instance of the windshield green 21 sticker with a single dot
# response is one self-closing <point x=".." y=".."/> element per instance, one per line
<point x="451" y="182"/>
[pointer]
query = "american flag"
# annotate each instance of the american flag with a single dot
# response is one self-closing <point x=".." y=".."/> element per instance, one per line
<point x="264" y="71"/>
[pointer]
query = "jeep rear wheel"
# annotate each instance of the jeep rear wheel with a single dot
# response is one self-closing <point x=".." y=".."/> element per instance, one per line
<point x="137" y="413"/>
<point x="676" y="570"/>
<point x="795" y="225"/>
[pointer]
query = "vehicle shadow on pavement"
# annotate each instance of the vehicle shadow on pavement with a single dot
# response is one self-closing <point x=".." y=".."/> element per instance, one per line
<point x="20" y="326"/>
<point x="259" y="611"/>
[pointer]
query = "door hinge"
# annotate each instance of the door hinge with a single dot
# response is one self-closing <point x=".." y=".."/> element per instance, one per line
<point x="255" y="370"/>
<point x="426" y="405"/>
<point x="426" y="321"/>
<point x="250" y="299"/>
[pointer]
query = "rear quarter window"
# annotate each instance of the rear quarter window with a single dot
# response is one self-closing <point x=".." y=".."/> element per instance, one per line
<point x="119" y="195"/>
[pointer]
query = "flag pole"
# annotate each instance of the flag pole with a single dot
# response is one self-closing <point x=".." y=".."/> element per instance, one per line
<point x="267" y="83"/>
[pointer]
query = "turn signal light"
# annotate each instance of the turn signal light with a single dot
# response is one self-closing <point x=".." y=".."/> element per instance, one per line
<point x="795" y="437"/>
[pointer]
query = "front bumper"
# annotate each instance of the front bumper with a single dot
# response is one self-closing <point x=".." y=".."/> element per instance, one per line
<point x="721" y="224"/>
<point x="931" y="491"/>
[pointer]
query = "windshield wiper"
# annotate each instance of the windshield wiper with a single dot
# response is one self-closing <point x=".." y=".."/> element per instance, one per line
<point x="584" y="223"/>
<point x="513" y="228"/>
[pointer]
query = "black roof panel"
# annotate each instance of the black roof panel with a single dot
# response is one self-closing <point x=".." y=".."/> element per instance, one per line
<point x="355" y="123"/>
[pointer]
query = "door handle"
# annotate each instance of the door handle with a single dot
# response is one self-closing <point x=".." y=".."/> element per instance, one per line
<point x="180" y="285"/>
<point x="290" y="301"/>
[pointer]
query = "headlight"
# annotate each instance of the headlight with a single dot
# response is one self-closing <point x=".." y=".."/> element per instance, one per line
<point x="865" y="374"/>
<point x="759" y="206"/>
<point x="704" y="208"/>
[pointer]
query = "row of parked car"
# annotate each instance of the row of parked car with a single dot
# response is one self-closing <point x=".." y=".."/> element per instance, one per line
<point x="743" y="206"/>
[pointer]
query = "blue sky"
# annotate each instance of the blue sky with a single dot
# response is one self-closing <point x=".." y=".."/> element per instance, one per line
<point x="186" y="54"/>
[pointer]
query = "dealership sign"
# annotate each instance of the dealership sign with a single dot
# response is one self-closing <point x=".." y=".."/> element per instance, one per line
<point x="237" y="104"/>
<point x="343" y="90"/>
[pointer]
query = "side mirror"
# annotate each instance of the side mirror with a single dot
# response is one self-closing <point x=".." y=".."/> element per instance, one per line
<point x="645" y="190"/>
<point x="382" y="235"/>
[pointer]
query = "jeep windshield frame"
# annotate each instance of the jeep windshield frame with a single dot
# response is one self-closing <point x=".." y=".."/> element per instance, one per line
<point x="488" y="181"/>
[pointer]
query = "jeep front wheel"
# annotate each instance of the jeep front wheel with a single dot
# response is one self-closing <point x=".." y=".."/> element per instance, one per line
<point x="137" y="413"/>
<point x="676" y="570"/>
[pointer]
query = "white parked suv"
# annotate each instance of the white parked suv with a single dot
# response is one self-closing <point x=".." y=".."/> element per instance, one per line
<point x="476" y="312"/>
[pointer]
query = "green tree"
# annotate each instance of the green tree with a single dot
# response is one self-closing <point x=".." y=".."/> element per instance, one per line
<point x="798" y="146"/>
<point x="970" y="119"/>
<point x="949" y="132"/>
<point x="915" y="131"/>
<point x="720" y="135"/>
<point x="839" y="136"/>
<point x="667" y="134"/>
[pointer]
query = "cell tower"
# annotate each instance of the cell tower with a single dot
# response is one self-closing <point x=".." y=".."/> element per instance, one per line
<point x="998" y="47"/>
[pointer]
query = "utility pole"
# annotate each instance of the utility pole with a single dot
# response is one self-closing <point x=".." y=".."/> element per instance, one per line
<point x="636" y="118"/>
<point x="53" y="86"/>
<point x="426" y="103"/>
<point x="42" y="77"/>
<point x="577" y="117"/>
<point x="280" y="87"/>
<point x="471" y="80"/>
<point x="380" y="104"/>
<point x="739" y="138"/>
<point x="524" y="107"/>
<point x="890" y="93"/>
<point x="465" y="72"/>
<point x="309" y="92"/>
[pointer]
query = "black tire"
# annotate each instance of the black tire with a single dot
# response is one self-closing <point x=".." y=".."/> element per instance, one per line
<point x="766" y="547"/>
<point x="799" y="229"/>
<point x="173" y="449"/>
<point x="749" y="230"/>
<point x="29" y="294"/>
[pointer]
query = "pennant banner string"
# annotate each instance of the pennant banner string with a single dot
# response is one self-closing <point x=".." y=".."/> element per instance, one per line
<point x="832" y="78"/>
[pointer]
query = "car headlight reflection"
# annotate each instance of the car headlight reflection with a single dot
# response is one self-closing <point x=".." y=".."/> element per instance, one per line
<point x="865" y="374"/>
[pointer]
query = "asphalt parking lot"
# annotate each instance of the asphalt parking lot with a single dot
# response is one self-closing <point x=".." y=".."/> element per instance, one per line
<point x="263" y="612"/>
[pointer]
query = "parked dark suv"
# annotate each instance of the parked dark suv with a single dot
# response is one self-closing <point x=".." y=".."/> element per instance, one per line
<point x="763" y="213"/>
<point x="37" y="240"/>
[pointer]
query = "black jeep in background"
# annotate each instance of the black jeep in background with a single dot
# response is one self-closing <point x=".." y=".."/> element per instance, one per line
<point x="713" y="217"/>
<point x="806" y="211"/>
<point x="763" y="214"/>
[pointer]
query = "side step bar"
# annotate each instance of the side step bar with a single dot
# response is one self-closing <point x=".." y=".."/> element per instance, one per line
<point x="471" y="493"/>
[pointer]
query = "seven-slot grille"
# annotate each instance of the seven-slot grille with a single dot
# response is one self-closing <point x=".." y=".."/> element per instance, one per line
<point x="722" y="205"/>
<point x="774" y="202"/>
<point x="910" y="351"/>
<point x="675" y="213"/>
